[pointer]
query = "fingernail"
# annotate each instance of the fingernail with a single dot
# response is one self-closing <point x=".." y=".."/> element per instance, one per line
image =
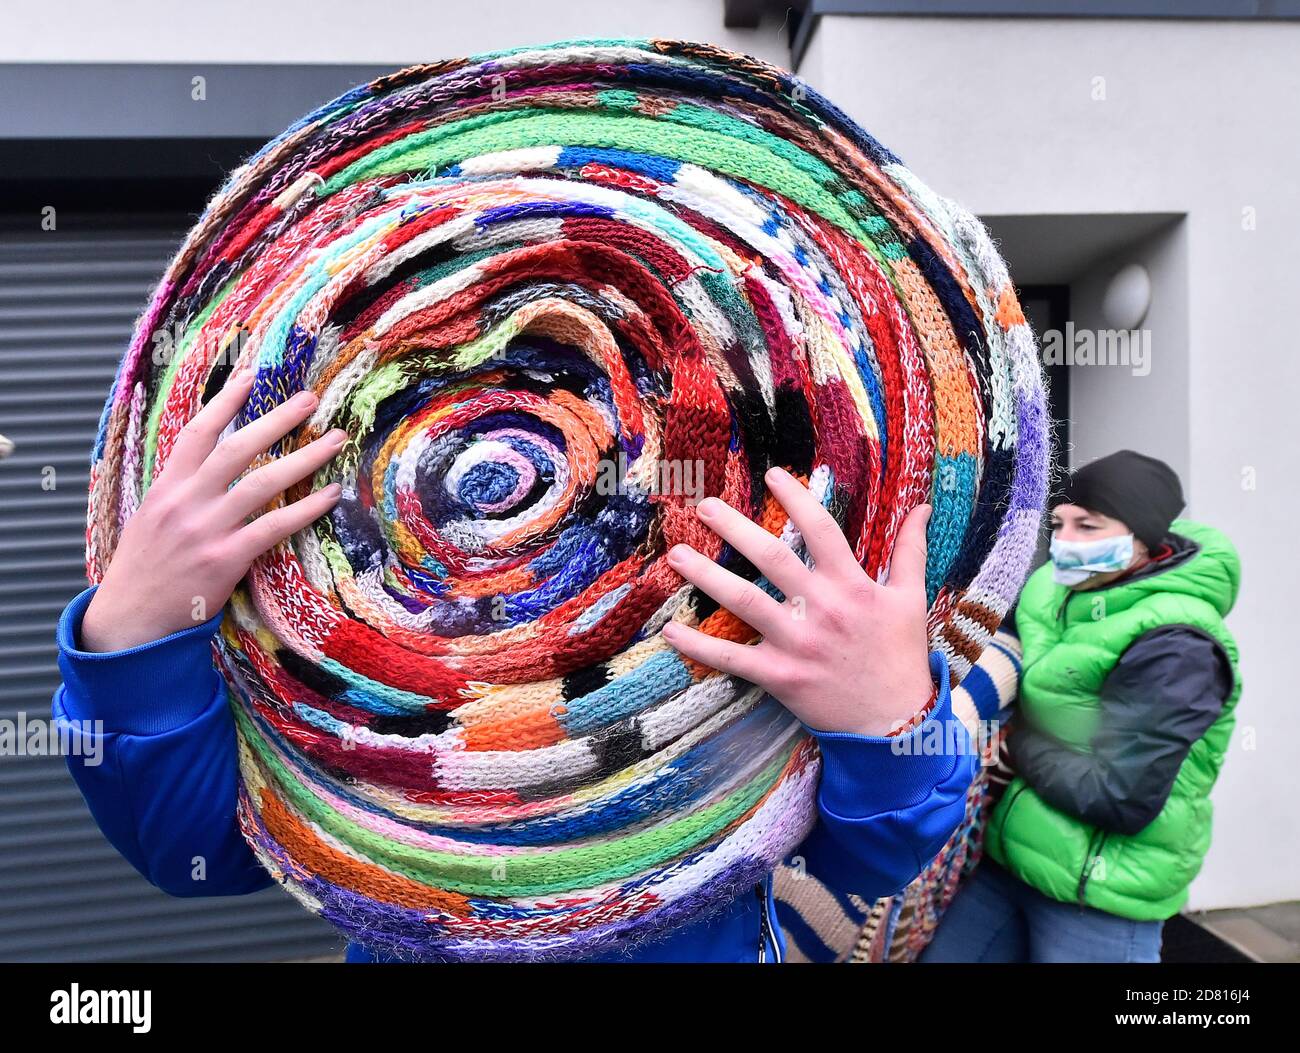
<point x="304" y="399"/>
<point x="776" y="472"/>
<point x="708" y="507"/>
<point x="333" y="490"/>
<point x="679" y="553"/>
<point x="336" y="437"/>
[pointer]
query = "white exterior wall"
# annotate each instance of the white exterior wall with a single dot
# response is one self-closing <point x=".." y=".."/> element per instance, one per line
<point x="1198" y="118"/>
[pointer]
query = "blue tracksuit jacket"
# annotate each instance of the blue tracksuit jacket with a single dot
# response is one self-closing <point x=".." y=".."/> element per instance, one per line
<point x="164" y="791"/>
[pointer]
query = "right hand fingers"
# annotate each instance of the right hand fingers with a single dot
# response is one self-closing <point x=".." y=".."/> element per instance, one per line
<point x="232" y="456"/>
<point x="282" y="523"/>
<point x="199" y="436"/>
<point x="261" y="486"/>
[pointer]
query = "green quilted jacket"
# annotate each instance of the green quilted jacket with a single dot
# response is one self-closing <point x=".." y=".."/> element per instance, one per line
<point x="1072" y="640"/>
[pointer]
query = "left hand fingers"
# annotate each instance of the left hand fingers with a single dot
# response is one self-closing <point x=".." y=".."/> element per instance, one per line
<point x="825" y="540"/>
<point x="773" y="557"/>
<point x="907" y="565"/>
<point x="745" y="661"/>
<point x="742" y="598"/>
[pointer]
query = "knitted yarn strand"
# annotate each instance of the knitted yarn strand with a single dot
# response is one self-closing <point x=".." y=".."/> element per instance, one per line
<point x="555" y="296"/>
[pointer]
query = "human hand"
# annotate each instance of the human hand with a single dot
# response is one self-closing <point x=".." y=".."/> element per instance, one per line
<point x="842" y="653"/>
<point x="190" y="542"/>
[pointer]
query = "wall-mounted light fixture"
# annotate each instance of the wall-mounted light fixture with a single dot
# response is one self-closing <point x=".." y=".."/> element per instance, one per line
<point x="1127" y="298"/>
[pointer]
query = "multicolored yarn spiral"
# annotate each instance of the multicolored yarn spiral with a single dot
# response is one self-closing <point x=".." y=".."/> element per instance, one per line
<point x="534" y="286"/>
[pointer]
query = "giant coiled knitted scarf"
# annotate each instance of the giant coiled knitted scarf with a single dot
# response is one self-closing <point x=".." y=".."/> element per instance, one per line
<point x="555" y="295"/>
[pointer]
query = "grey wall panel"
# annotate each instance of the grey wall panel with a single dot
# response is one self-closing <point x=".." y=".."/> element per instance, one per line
<point x="68" y="301"/>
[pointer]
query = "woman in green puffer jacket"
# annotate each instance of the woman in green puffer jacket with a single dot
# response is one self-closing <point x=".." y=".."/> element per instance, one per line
<point x="1127" y="694"/>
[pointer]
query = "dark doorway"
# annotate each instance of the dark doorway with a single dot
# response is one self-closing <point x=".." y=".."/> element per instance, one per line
<point x="1047" y="307"/>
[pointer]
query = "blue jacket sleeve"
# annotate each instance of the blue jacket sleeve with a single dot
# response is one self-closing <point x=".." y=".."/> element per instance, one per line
<point x="156" y="758"/>
<point x="886" y="807"/>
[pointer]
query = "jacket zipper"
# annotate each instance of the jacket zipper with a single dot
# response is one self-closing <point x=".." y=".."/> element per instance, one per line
<point x="1006" y="814"/>
<point x="766" y="929"/>
<point x="1095" y="844"/>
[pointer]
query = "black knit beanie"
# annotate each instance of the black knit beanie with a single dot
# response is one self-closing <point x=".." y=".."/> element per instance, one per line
<point x="1142" y="492"/>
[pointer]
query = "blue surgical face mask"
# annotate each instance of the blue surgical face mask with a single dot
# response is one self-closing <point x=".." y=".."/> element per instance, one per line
<point x="1077" y="561"/>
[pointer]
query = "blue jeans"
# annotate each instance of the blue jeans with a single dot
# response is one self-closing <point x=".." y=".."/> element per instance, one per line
<point x="996" y="917"/>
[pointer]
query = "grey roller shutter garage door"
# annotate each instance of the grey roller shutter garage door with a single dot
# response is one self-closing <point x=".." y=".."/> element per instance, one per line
<point x="68" y="300"/>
